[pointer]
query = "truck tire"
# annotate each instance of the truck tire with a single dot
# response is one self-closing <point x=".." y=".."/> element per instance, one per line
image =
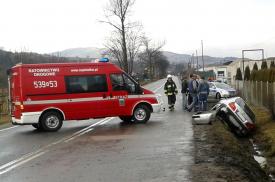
<point x="127" y="119"/>
<point x="51" y="121"/>
<point x="37" y="126"/>
<point x="141" y="114"/>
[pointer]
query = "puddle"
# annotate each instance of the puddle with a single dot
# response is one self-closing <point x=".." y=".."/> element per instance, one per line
<point x="259" y="157"/>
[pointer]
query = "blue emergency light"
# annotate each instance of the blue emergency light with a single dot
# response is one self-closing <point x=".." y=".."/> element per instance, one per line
<point x="103" y="60"/>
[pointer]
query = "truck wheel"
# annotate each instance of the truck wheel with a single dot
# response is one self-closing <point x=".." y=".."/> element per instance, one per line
<point x="127" y="119"/>
<point x="51" y="121"/>
<point x="37" y="126"/>
<point x="141" y="114"/>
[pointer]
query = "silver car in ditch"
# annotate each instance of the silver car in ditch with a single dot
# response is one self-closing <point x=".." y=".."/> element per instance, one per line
<point x="234" y="113"/>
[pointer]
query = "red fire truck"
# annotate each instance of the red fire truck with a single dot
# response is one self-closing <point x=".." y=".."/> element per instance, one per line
<point x="44" y="95"/>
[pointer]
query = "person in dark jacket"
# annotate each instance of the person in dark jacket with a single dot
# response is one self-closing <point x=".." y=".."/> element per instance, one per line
<point x="193" y="92"/>
<point x="184" y="91"/>
<point x="170" y="89"/>
<point x="203" y="91"/>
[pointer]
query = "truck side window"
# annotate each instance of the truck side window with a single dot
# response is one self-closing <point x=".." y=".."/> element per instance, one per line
<point x="130" y="84"/>
<point x="123" y="82"/>
<point x="85" y="84"/>
<point x="117" y="82"/>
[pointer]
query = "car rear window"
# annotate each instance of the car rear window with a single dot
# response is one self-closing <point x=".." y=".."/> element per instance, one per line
<point x="246" y="108"/>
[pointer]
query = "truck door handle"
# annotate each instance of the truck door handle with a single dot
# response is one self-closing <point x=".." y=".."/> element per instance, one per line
<point x="111" y="95"/>
<point x="104" y="96"/>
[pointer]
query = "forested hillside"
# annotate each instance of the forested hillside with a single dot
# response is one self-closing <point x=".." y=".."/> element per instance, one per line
<point x="9" y="59"/>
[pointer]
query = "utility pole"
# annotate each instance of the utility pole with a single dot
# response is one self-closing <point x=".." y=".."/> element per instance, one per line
<point x="202" y="55"/>
<point x="197" y="60"/>
<point x="193" y="60"/>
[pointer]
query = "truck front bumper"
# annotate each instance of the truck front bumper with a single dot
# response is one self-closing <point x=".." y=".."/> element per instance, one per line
<point x="159" y="106"/>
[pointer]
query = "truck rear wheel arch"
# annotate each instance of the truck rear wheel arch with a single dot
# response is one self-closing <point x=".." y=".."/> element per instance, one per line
<point x="54" y="110"/>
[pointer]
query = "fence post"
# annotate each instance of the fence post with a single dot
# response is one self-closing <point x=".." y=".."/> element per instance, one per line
<point x="262" y="103"/>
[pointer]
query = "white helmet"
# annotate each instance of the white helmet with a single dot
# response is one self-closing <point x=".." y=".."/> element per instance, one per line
<point x="169" y="76"/>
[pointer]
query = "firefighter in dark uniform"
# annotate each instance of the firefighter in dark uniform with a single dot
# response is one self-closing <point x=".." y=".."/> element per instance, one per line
<point x="170" y="89"/>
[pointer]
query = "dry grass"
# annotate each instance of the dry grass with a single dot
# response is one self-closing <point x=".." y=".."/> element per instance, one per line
<point x="265" y="129"/>
<point x="4" y="119"/>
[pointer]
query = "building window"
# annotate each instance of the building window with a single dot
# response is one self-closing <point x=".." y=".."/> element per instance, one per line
<point x="220" y="73"/>
<point x="86" y="84"/>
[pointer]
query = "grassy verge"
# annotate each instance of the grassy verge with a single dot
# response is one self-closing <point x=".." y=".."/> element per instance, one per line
<point x="4" y="119"/>
<point x="265" y="134"/>
<point x="222" y="157"/>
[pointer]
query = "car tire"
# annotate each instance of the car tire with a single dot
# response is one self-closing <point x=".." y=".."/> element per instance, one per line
<point x="141" y="114"/>
<point x="218" y="96"/>
<point x="127" y="119"/>
<point x="51" y="121"/>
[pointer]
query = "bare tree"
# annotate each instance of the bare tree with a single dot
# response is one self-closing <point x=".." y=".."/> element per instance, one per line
<point x="134" y="42"/>
<point x="116" y="15"/>
<point x="150" y="54"/>
<point x="161" y="64"/>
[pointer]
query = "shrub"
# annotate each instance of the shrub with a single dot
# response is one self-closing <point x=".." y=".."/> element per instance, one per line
<point x="239" y="75"/>
<point x="255" y="67"/>
<point x="264" y="65"/>
<point x="247" y="73"/>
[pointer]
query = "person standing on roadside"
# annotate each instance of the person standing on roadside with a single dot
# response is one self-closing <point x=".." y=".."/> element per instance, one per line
<point x="193" y="92"/>
<point x="203" y="91"/>
<point x="170" y="89"/>
<point x="184" y="91"/>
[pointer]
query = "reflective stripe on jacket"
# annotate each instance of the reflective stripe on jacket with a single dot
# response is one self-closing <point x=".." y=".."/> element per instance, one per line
<point x="170" y="88"/>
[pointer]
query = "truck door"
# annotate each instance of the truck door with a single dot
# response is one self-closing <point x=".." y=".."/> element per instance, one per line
<point x="14" y="93"/>
<point x="125" y="93"/>
<point x="89" y="96"/>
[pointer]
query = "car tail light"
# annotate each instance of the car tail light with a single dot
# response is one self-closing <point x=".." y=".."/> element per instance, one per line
<point x="250" y="126"/>
<point x="232" y="105"/>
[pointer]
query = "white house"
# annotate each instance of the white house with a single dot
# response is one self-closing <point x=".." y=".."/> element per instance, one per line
<point x="227" y="73"/>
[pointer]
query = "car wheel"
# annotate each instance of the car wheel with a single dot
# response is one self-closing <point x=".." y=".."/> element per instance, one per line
<point x="141" y="114"/>
<point x="218" y="96"/>
<point x="51" y="121"/>
<point x="127" y="119"/>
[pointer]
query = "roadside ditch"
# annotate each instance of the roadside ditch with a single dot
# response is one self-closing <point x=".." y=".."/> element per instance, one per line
<point x="221" y="156"/>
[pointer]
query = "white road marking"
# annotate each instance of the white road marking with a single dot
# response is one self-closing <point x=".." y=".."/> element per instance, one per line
<point x="5" y="129"/>
<point x="21" y="162"/>
<point x="32" y="155"/>
<point x="108" y="120"/>
<point x="159" y="88"/>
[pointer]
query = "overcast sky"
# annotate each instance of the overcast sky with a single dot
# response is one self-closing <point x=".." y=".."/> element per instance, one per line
<point x="225" y="26"/>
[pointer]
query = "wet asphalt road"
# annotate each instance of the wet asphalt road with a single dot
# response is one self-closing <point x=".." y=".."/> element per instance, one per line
<point x="102" y="150"/>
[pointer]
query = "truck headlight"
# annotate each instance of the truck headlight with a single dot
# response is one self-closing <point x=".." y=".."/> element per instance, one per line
<point x="159" y="98"/>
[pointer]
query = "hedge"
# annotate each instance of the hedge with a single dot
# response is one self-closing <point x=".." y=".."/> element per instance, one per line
<point x="265" y="75"/>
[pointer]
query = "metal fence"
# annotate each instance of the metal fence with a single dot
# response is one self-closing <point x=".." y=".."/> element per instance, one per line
<point x="257" y="93"/>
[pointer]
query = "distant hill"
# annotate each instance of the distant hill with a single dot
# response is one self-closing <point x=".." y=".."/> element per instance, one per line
<point x="93" y="52"/>
<point x="87" y="52"/>
<point x="185" y="58"/>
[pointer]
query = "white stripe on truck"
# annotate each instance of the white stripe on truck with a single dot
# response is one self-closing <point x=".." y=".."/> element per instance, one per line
<point x="61" y="101"/>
